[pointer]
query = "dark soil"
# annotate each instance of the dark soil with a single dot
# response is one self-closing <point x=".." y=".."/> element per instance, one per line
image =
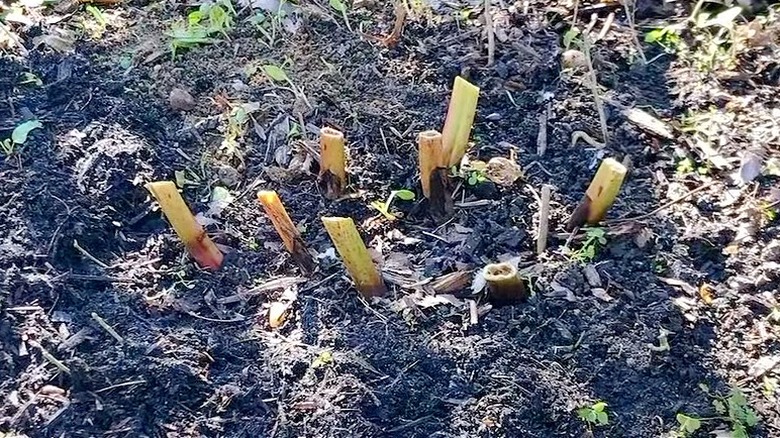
<point x="197" y="356"/>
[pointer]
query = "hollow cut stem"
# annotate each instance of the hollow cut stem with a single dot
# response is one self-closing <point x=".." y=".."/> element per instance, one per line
<point x="333" y="162"/>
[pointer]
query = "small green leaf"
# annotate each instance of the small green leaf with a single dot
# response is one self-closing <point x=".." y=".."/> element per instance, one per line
<point x="751" y="419"/>
<point x="325" y="358"/>
<point x="405" y="195"/>
<point x="655" y="35"/>
<point x="737" y="397"/>
<point x="20" y="133"/>
<point x="276" y="73"/>
<point x="570" y="36"/>
<point x="688" y="424"/>
<point x="719" y="407"/>
<point x="338" y="5"/>
<point x="599" y="406"/>
<point x="738" y="431"/>
<point x="602" y="418"/>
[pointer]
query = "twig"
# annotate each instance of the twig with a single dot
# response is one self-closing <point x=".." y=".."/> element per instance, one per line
<point x="593" y="84"/>
<point x="398" y="26"/>
<point x="53" y="360"/>
<point x="661" y="208"/>
<point x="473" y="313"/>
<point x="544" y="220"/>
<point x="582" y="135"/>
<point x="120" y="385"/>
<point x="541" y="138"/>
<point x="88" y="255"/>
<point x="605" y="28"/>
<point x="102" y="322"/>
<point x="634" y="33"/>
<point x="491" y="37"/>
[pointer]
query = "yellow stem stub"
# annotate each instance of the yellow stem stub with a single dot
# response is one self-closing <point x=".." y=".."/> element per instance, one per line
<point x="504" y="283"/>
<point x="355" y="255"/>
<point x="431" y="158"/>
<point x="333" y="162"/>
<point x="187" y="228"/>
<point x="460" y="118"/>
<point x="284" y="226"/>
<point x="604" y="189"/>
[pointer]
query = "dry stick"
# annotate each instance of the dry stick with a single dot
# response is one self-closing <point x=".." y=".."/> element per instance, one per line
<point x="473" y="312"/>
<point x="593" y="84"/>
<point x="398" y="25"/>
<point x="287" y="231"/>
<point x="607" y="24"/>
<point x="88" y="255"/>
<point x="53" y="360"/>
<point x="102" y="322"/>
<point x="333" y="158"/>
<point x="634" y="33"/>
<point x="544" y="220"/>
<point x="661" y="208"/>
<point x="490" y="35"/>
<point x="541" y="139"/>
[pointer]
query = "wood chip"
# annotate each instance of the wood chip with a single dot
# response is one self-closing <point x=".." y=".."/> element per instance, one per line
<point x="592" y="275"/>
<point x="601" y="294"/>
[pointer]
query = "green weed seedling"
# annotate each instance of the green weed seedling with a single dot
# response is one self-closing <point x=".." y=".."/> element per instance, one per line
<point x="594" y="415"/>
<point x="732" y="409"/>
<point x="210" y="19"/>
<point x="19" y="136"/>
<point x="270" y="24"/>
<point x="384" y="207"/>
<point x="341" y="7"/>
<point x="594" y="239"/>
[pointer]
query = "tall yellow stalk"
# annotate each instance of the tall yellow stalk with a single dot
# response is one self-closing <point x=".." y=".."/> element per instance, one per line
<point x="460" y="118"/>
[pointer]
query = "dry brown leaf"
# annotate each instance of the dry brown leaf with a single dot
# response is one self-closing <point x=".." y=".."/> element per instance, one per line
<point x="706" y="293"/>
<point x="503" y="171"/>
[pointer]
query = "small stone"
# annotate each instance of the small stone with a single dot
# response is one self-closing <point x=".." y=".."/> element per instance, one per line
<point x="181" y="100"/>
